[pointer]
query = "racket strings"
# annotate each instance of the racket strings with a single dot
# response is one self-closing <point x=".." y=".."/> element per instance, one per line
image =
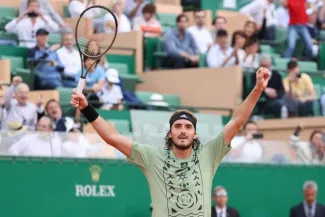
<point x="95" y="31"/>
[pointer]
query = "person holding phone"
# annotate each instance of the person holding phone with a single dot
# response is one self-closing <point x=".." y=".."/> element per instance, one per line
<point x="247" y="148"/>
<point x="29" y="22"/>
<point x="312" y="152"/>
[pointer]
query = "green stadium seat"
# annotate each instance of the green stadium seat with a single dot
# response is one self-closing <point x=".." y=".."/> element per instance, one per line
<point x="130" y="81"/>
<point x="316" y="103"/>
<point x="15" y="62"/>
<point x="171" y="99"/>
<point x="122" y="126"/>
<point x="122" y="68"/>
<point x="127" y="59"/>
<point x="305" y="66"/>
<point x="8" y="36"/>
<point x="66" y="13"/>
<point x="266" y="49"/>
<point x="65" y="94"/>
<point x="14" y="51"/>
<point x="6" y="15"/>
<point x="168" y="20"/>
<point x="54" y="38"/>
<point x="160" y="53"/>
<point x="149" y="48"/>
<point x="203" y="61"/>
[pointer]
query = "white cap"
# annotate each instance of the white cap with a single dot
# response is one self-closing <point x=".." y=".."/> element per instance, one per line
<point x="112" y="76"/>
<point x="157" y="99"/>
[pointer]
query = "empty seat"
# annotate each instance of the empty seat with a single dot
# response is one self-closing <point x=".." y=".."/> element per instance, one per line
<point x="122" y="68"/>
<point x="54" y="38"/>
<point x="122" y="126"/>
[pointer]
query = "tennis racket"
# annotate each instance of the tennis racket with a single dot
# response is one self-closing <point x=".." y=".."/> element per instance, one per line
<point x="94" y="39"/>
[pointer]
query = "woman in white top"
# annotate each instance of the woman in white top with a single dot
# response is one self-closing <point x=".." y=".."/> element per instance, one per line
<point x="250" y="58"/>
<point x="76" y="7"/>
<point x="117" y="7"/>
<point x="29" y="22"/>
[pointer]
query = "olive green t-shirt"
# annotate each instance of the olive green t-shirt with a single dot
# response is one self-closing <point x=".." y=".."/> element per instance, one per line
<point x="180" y="187"/>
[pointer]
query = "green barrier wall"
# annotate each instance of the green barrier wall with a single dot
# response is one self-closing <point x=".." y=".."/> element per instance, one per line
<point x="52" y="188"/>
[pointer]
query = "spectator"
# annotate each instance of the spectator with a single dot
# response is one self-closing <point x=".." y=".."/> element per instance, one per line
<point x="54" y="110"/>
<point x="239" y="39"/>
<point x="133" y="8"/>
<point x="221" y="209"/>
<point x="249" y="59"/>
<point x="300" y="91"/>
<point x="111" y="95"/>
<point x="298" y="27"/>
<point x="218" y="23"/>
<point x="259" y="9"/>
<point x="93" y="48"/>
<point x="314" y="27"/>
<point x="282" y="15"/>
<point x="147" y="23"/>
<point x="42" y="143"/>
<point x="323" y="104"/>
<point x="180" y="46"/>
<point x="46" y="8"/>
<point x="3" y="111"/>
<point x="76" y="7"/>
<point x="18" y="108"/>
<point x="309" y="207"/>
<point x="29" y="23"/>
<point x="221" y="54"/>
<point x="274" y="92"/>
<point x="124" y="24"/>
<point x="48" y="65"/>
<point x="311" y="152"/>
<point x="247" y="148"/>
<point x="201" y="35"/>
<point x="251" y="31"/>
<point x="70" y="59"/>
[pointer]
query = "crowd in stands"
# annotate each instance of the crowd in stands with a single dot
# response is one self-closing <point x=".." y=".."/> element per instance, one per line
<point x="59" y="65"/>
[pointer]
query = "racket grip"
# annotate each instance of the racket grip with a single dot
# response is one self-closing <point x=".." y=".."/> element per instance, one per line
<point x="81" y="85"/>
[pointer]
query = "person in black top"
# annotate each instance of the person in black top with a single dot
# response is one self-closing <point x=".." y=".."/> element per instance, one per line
<point x="272" y="97"/>
<point x="221" y="209"/>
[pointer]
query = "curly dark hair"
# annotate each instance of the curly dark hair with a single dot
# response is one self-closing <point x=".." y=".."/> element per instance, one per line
<point x="169" y="141"/>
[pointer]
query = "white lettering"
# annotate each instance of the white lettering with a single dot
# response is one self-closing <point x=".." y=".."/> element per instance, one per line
<point x="95" y="191"/>
<point x="87" y="190"/>
<point x="79" y="191"/>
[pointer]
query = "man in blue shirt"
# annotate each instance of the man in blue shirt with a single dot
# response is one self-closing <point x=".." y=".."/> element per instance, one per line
<point x="47" y="63"/>
<point x="180" y="46"/>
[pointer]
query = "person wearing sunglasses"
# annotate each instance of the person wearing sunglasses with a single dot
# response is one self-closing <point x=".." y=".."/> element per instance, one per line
<point x="221" y="209"/>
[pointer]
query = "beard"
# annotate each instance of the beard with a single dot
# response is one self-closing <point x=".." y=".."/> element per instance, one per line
<point x="183" y="147"/>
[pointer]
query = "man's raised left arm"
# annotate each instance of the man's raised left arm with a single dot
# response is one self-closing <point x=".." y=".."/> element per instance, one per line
<point x="244" y="111"/>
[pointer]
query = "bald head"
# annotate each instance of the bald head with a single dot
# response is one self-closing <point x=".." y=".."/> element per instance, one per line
<point x="21" y="93"/>
<point x="45" y="124"/>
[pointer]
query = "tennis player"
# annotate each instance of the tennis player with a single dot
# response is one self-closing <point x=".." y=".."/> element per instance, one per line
<point x="179" y="175"/>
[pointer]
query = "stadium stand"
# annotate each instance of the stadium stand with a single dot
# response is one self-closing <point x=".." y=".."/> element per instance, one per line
<point x="48" y="185"/>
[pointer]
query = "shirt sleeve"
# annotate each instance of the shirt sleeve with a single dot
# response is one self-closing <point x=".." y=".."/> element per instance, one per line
<point x="12" y="26"/>
<point x="212" y="58"/>
<point x="51" y="25"/>
<point x="286" y="84"/>
<point x="170" y="46"/>
<point x="308" y="81"/>
<point x="215" y="150"/>
<point x="254" y="10"/>
<point x="141" y="155"/>
<point x="54" y="15"/>
<point x="193" y="45"/>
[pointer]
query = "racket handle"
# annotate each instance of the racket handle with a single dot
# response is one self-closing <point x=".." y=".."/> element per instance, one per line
<point x="81" y="85"/>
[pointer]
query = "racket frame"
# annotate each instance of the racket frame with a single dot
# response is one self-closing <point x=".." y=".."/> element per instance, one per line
<point x="82" y="81"/>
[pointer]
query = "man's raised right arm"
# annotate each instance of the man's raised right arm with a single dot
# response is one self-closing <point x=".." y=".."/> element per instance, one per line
<point x="104" y="129"/>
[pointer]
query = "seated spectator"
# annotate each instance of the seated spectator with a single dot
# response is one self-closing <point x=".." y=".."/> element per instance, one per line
<point x="48" y="65"/>
<point x="47" y="9"/>
<point x="147" y="23"/>
<point x="70" y="59"/>
<point x="221" y="208"/>
<point x="274" y="91"/>
<point x="314" y="27"/>
<point x="323" y="104"/>
<point x="53" y="109"/>
<point x="93" y="48"/>
<point x="76" y="7"/>
<point x="201" y="35"/>
<point x="260" y="9"/>
<point x="221" y="54"/>
<point x="133" y="8"/>
<point x="250" y="58"/>
<point x="298" y="27"/>
<point x="239" y="39"/>
<point x="247" y="148"/>
<point x="300" y="91"/>
<point x="17" y="106"/>
<point x="282" y="15"/>
<point x="218" y="23"/>
<point x="111" y="95"/>
<point x="3" y="111"/>
<point x="29" y="23"/>
<point x="311" y="152"/>
<point x="180" y="46"/>
<point x="95" y="80"/>
<point x="310" y="207"/>
<point x="40" y="143"/>
<point x="124" y="24"/>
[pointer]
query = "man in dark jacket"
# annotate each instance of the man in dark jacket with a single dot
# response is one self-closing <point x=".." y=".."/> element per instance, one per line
<point x="309" y="207"/>
<point x="221" y="209"/>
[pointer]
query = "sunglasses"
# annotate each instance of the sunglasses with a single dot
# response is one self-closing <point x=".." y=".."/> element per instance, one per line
<point x="221" y="194"/>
